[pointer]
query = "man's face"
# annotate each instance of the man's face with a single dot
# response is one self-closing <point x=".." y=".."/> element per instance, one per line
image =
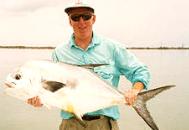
<point x="81" y="19"/>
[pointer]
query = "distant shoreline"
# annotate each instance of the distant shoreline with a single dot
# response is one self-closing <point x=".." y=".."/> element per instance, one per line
<point x="27" y="47"/>
<point x="137" y="48"/>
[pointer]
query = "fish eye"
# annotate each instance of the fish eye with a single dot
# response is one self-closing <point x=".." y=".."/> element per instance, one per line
<point x="17" y="76"/>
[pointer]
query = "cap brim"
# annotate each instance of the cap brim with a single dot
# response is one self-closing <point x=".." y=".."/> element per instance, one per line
<point x="67" y="10"/>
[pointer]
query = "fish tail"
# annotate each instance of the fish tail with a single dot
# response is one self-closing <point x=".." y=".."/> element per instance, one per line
<point x="140" y="104"/>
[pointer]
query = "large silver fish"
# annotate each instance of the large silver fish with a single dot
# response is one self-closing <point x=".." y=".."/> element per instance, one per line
<point x="72" y="88"/>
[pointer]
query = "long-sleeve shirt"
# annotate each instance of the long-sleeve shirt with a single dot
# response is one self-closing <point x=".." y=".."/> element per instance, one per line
<point x="104" y="51"/>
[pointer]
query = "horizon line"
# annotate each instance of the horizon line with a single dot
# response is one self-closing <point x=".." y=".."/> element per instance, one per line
<point x="53" y="47"/>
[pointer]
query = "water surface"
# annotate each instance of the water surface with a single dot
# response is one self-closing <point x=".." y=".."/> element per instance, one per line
<point x="169" y="109"/>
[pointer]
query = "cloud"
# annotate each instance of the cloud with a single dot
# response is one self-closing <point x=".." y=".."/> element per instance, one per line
<point x="130" y="21"/>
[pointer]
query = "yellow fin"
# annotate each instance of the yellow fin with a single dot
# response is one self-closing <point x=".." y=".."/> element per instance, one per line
<point x="70" y="108"/>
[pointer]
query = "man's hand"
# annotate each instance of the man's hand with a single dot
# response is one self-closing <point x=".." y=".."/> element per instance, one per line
<point x="35" y="101"/>
<point x="131" y="95"/>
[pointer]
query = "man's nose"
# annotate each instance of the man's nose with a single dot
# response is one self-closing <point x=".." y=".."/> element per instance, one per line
<point x="81" y="20"/>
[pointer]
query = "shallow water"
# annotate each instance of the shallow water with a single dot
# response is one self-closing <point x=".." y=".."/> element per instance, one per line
<point x="169" y="109"/>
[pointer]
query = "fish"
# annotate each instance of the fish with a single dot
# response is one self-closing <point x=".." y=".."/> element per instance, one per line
<point x="73" y="88"/>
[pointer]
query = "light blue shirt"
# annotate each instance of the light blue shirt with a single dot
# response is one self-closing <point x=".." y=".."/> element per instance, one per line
<point x="104" y="51"/>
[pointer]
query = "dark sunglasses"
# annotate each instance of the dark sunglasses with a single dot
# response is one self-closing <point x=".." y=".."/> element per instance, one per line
<point x="76" y="17"/>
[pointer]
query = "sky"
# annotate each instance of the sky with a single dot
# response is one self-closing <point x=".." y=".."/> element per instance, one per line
<point x="138" y="23"/>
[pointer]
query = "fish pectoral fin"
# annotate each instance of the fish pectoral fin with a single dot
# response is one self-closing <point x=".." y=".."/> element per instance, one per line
<point x="52" y="86"/>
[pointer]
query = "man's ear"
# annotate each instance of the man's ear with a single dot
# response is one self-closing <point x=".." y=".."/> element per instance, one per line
<point x="94" y="18"/>
<point x="70" y="22"/>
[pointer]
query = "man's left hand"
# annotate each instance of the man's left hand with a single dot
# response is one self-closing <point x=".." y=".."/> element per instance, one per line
<point x="131" y="94"/>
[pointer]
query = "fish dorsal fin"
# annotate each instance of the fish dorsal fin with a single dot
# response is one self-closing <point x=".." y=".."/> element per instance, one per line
<point x="91" y="66"/>
<point x="87" y="66"/>
<point x="52" y="86"/>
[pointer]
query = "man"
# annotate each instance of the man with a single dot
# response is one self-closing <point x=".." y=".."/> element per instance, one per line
<point x="85" y="47"/>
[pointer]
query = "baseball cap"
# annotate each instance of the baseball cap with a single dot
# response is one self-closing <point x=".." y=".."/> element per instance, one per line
<point x="78" y="5"/>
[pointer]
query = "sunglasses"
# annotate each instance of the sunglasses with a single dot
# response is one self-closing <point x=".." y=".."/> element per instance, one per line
<point x="76" y="17"/>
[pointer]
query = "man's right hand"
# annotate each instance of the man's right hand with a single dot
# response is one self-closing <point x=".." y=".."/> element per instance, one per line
<point x="35" y="101"/>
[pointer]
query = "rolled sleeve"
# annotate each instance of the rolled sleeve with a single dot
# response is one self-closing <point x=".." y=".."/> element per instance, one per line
<point x="131" y="67"/>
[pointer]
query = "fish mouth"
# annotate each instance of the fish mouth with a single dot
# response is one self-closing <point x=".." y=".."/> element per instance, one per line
<point x="9" y="85"/>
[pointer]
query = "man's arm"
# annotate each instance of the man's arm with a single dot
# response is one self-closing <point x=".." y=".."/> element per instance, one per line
<point x="134" y="70"/>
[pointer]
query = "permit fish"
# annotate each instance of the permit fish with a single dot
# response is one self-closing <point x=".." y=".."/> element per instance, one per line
<point x="72" y="88"/>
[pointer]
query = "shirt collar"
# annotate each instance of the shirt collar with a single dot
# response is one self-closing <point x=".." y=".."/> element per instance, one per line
<point x="95" y="41"/>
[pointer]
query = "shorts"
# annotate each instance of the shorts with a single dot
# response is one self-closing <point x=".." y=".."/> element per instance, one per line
<point x="103" y="123"/>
